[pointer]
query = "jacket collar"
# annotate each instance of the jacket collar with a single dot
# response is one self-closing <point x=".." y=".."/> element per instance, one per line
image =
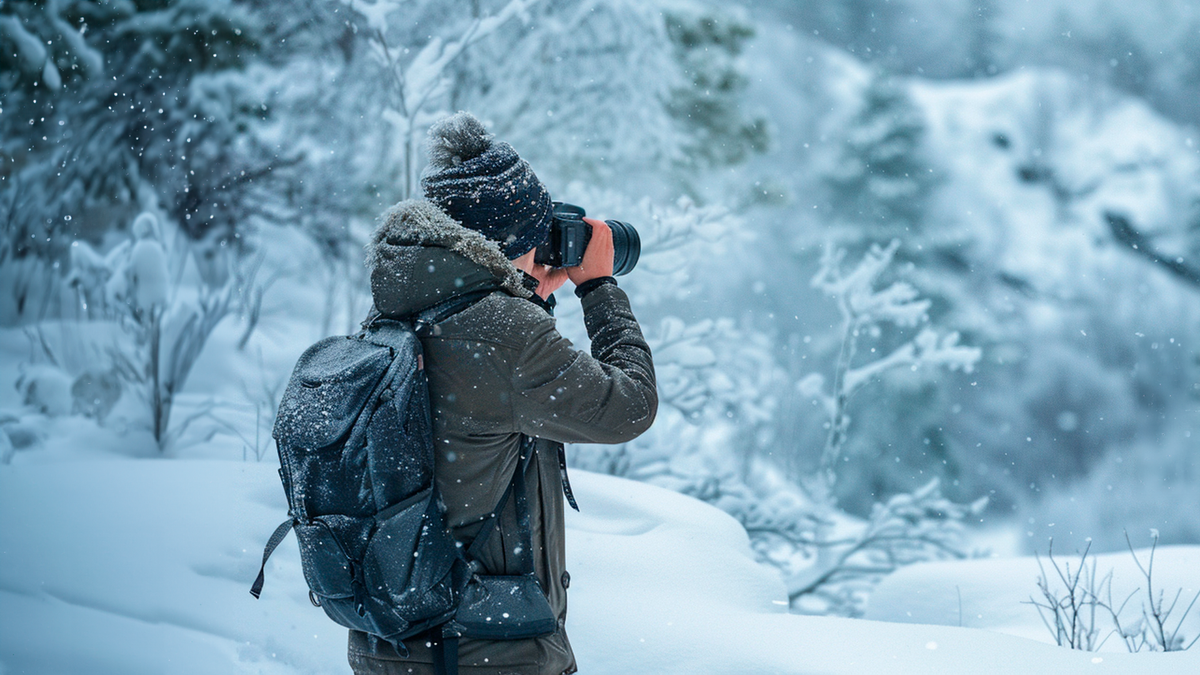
<point x="417" y="222"/>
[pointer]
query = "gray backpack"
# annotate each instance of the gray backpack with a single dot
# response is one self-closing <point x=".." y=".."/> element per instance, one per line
<point x="356" y="459"/>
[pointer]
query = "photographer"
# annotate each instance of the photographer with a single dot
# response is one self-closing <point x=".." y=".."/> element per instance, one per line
<point x="500" y="372"/>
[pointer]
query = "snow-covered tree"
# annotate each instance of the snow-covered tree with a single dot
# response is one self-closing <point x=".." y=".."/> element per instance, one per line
<point x="164" y="324"/>
<point x="865" y="311"/>
<point x="581" y="90"/>
<point x="154" y="112"/>
<point x="843" y="560"/>
<point x="416" y="74"/>
<point x="880" y="182"/>
<point x="707" y="43"/>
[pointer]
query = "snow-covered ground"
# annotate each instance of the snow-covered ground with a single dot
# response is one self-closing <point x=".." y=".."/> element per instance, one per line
<point x="994" y="594"/>
<point x="143" y="566"/>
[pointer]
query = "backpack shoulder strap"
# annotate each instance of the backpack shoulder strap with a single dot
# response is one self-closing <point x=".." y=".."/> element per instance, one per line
<point x="426" y="319"/>
<point x="515" y="486"/>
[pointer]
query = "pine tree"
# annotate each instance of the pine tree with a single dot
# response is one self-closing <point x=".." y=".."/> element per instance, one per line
<point x="580" y="90"/>
<point x="982" y="39"/>
<point x="707" y="43"/>
<point x="137" y="105"/>
<point x="880" y="181"/>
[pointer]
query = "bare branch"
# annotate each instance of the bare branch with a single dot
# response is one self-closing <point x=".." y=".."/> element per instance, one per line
<point x="1124" y="232"/>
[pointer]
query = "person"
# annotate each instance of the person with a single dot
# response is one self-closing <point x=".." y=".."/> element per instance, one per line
<point x="499" y="371"/>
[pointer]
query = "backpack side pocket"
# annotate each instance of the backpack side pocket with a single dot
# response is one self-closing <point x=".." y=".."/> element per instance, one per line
<point x="408" y="566"/>
<point x="330" y="574"/>
<point x="504" y="608"/>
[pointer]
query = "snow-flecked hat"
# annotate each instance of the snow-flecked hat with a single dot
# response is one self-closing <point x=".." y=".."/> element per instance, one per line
<point x="483" y="184"/>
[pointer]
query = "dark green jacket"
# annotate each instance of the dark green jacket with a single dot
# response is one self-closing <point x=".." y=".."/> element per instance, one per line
<point x="497" y="370"/>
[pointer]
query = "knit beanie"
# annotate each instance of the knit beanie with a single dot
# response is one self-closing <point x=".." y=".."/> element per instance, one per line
<point x="483" y="184"/>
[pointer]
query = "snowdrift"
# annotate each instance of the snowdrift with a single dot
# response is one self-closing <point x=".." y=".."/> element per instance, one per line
<point x="143" y="567"/>
<point x="994" y="594"/>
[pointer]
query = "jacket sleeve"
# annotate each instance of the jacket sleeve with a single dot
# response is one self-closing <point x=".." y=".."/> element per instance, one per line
<point x="565" y="395"/>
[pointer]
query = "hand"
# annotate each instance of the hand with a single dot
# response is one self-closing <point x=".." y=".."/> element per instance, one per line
<point x="550" y="279"/>
<point x="598" y="258"/>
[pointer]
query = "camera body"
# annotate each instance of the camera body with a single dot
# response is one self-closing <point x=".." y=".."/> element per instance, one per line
<point x="569" y="237"/>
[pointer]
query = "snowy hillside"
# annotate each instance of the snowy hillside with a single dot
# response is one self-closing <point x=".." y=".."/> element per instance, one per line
<point x="1035" y="159"/>
<point x="143" y="567"/>
<point x="1082" y="412"/>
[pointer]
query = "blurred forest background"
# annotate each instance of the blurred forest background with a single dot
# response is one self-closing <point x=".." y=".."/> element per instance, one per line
<point x="900" y="255"/>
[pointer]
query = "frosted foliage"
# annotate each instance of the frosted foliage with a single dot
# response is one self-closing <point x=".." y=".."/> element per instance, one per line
<point x="927" y="349"/>
<point x="28" y="48"/>
<point x="863" y="309"/>
<point x="418" y="81"/>
<point x="897" y="303"/>
<point x="581" y="93"/>
<point x="112" y="145"/>
<point x="717" y="396"/>
<point x="907" y="528"/>
<point x="47" y="48"/>
<point x="90" y="59"/>
<point x="844" y="561"/>
<point x="163" y="324"/>
<point x="710" y="365"/>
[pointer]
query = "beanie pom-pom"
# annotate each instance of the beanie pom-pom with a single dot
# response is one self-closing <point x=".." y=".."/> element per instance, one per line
<point x="457" y="139"/>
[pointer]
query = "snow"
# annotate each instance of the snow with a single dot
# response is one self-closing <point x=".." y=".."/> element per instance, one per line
<point x="143" y="566"/>
<point x="114" y="560"/>
<point x="995" y="592"/>
<point x="148" y="276"/>
<point x="46" y="389"/>
<point x="1105" y="153"/>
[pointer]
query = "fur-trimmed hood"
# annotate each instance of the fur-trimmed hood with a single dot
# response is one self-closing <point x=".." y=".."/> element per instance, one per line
<point x="419" y="256"/>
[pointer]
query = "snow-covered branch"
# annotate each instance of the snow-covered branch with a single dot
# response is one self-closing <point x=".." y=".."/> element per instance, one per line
<point x="417" y="81"/>
<point x="865" y="310"/>
<point x="908" y="528"/>
<point x="137" y="286"/>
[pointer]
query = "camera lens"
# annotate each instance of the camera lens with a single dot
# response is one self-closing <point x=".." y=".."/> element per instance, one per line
<point x="627" y="247"/>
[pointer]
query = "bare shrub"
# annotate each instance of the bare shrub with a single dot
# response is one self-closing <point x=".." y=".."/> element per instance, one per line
<point x="1074" y="604"/>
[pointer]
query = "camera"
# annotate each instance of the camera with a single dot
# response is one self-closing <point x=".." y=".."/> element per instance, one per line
<point x="569" y="237"/>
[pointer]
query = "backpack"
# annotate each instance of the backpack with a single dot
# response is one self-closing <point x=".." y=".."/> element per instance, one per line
<point x="356" y="457"/>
